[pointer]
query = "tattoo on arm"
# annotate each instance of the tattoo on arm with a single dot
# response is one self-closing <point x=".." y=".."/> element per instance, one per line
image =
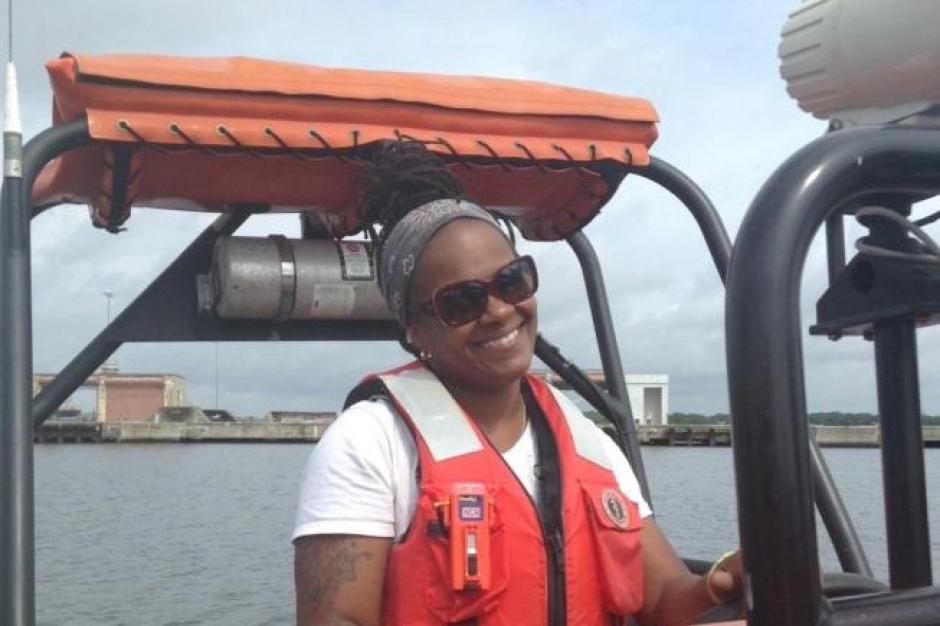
<point x="323" y="565"/>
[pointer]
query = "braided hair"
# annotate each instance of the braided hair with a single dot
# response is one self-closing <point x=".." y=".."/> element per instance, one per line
<point x="404" y="175"/>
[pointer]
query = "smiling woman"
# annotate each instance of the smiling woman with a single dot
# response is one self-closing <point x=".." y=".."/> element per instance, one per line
<point x="491" y="350"/>
<point x="458" y="489"/>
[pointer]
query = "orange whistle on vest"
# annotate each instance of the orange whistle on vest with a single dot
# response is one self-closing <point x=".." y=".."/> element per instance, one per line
<point x="469" y="537"/>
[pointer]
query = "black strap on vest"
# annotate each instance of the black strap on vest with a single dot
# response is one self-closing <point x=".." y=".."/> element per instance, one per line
<point x="366" y="390"/>
<point x="548" y="485"/>
<point x="547" y="465"/>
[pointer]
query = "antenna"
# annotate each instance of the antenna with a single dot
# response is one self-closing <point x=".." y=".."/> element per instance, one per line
<point x="216" y="403"/>
<point x="12" y="127"/>
<point x="10" y="31"/>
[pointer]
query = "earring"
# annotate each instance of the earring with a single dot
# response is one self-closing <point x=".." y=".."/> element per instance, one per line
<point x="424" y="356"/>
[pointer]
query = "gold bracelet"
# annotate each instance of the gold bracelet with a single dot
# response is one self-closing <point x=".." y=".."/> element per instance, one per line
<point x="717" y="565"/>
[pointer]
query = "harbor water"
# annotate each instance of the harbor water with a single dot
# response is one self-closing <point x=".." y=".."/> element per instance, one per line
<point x="179" y="534"/>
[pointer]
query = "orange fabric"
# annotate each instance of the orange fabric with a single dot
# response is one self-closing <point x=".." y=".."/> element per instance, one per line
<point x="603" y="568"/>
<point x="291" y="79"/>
<point x="301" y="118"/>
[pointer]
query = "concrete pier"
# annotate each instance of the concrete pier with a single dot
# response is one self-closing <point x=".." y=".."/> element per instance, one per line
<point x="177" y="432"/>
<point x="247" y="432"/>
<point x="720" y="435"/>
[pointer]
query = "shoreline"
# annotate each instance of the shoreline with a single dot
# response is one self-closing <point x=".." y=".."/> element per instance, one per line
<point x="715" y="435"/>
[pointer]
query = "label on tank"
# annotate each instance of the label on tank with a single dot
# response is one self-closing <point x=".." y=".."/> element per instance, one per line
<point x="356" y="260"/>
<point x="333" y="301"/>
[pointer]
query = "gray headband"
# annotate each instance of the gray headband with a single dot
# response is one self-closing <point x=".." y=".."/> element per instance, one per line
<point x="407" y="241"/>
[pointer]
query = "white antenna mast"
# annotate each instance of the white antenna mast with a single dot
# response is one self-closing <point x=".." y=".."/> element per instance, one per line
<point x="12" y="127"/>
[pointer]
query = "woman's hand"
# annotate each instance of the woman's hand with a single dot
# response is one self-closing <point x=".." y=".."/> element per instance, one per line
<point x="724" y="581"/>
<point x="673" y="595"/>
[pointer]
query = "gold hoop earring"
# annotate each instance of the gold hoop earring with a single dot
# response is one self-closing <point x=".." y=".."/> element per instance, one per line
<point x="424" y="356"/>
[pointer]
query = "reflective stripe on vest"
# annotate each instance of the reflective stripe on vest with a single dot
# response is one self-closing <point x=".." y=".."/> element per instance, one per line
<point x="441" y="422"/>
<point x="434" y="413"/>
<point x="586" y="437"/>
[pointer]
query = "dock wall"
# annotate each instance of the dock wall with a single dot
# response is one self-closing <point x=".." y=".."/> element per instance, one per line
<point x="175" y="432"/>
<point x="247" y="432"/>
<point x="720" y="435"/>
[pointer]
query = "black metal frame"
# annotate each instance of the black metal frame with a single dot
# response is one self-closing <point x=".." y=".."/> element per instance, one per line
<point x="719" y="244"/>
<point x="834" y="175"/>
<point x="167" y="311"/>
<point x="831" y="508"/>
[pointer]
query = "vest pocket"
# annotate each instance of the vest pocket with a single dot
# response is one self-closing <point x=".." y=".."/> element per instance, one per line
<point x="615" y="525"/>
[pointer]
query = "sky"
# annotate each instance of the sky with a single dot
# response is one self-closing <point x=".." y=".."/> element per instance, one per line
<point x="710" y="69"/>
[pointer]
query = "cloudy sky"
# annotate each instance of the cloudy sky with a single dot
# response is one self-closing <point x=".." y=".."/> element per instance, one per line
<point x="710" y="68"/>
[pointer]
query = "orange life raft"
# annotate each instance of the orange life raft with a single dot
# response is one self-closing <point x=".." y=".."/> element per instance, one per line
<point x="211" y="134"/>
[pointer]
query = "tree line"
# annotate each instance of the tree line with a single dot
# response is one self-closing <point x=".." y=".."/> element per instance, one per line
<point x="827" y="418"/>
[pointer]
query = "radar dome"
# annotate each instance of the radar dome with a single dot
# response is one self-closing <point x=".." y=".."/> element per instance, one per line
<point x="863" y="61"/>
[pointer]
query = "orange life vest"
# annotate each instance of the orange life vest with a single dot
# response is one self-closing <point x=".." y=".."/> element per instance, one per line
<point x="583" y="575"/>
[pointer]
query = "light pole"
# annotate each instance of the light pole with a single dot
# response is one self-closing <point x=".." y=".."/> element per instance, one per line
<point x="108" y="294"/>
<point x="110" y="366"/>
<point x="216" y="405"/>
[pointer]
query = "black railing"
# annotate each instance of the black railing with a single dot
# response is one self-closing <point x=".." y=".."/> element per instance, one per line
<point x="833" y="175"/>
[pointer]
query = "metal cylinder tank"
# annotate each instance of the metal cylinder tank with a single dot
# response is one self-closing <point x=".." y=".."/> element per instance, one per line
<point x="275" y="278"/>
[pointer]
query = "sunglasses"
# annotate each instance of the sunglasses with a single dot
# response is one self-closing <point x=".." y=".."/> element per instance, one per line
<point x="465" y="301"/>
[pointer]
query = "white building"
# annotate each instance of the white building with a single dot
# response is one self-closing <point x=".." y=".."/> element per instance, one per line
<point x="648" y="394"/>
<point x="649" y="398"/>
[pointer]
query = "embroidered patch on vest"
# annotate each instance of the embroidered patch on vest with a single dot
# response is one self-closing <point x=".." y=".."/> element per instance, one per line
<point x="615" y="508"/>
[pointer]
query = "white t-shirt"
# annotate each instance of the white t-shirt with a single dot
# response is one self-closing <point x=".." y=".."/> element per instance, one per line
<point x="361" y="478"/>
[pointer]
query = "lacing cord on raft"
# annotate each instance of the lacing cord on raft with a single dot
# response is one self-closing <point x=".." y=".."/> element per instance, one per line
<point x="930" y="251"/>
<point x="354" y="156"/>
<point x="282" y="147"/>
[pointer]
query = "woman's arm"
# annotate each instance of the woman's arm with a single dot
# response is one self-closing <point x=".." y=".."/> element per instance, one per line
<point x="338" y="579"/>
<point x="674" y="595"/>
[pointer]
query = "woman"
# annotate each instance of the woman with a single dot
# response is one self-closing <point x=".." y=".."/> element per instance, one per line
<point x="458" y="489"/>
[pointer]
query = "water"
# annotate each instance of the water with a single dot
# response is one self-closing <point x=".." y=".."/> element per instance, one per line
<point x="165" y="534"/>
<point x="200" y="534"/>
<point x="693" y="494"/>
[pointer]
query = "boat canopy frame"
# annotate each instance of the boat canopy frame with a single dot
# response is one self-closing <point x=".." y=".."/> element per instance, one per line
<point x="178" y="320"/>
<point x="167" y="310"/>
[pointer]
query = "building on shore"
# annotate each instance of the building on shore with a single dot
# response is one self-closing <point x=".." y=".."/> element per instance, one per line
<point x="179" y="415"/>
<point x="122" y="397"/>
<point x="648" y="395"/>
